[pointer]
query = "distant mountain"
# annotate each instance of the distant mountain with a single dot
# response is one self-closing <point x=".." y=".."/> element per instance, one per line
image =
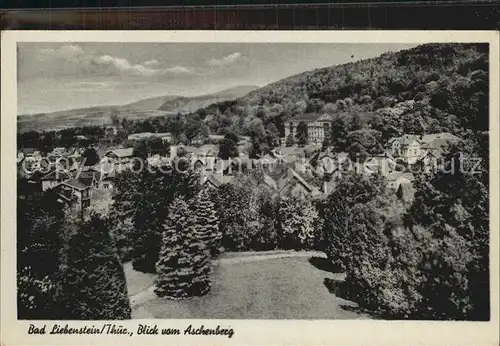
<point x="192" y="104"/>
<point x="151" y="107"/>
<point x="147" y="104"/>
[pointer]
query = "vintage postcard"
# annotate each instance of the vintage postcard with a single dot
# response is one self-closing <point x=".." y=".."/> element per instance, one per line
<point x="291" y="188"/>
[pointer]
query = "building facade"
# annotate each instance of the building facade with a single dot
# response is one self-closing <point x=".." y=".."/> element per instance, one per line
<point x="318" y="126"/>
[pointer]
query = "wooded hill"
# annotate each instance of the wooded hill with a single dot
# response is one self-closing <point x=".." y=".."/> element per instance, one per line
<point x="429" y="88"/>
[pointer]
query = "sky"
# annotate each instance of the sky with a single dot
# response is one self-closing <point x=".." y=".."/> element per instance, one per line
<point x="60" y="76"/>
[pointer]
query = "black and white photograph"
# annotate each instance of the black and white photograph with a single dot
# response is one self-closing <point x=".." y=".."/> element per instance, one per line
<point x="253" y="181"/>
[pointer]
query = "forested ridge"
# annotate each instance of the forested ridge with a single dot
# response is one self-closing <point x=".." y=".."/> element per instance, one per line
<point x="430" y="88"/>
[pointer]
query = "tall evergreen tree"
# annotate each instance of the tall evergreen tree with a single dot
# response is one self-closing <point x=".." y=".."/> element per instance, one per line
<point x="93" y="285"/>
<point x="207" y="222"/>
<point x="183" y="265"/>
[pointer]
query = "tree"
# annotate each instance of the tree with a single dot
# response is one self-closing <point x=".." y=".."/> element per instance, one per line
<point x="39" y="226"/>
<point x="453" y="206"/>
<point x="298" y="223"/>
<point x="272" y="135"/>
<point x="289" y="141"/>
<point x="156" y="146"/>
<point x="338" y="133"/>
<point x="207" y="222"/>
<point x="355" y="123"/>
<point x="351" y="189"/>
<point x="228" y="147"/>
<point x="90" y="157"/>
<point x="94" y="286"/>
<point x="246" y="214"/>
<point x="301" y="136"/>
<point x="141" y="150"/>
<point x="154" y="190"/>
<point x="183" y="264"/>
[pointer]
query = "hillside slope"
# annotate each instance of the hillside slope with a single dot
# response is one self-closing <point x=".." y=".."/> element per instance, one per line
<point x="428" y="88"/>
<point x="192" y="104"/>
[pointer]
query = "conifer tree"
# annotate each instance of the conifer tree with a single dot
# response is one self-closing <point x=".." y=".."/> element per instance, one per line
<point x="183" y="265"/>
<point x="207" y="222"/>
<point x="93" y="285"/>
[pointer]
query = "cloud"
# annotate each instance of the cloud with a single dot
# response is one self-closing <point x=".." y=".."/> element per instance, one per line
<point x="151" y="63"/>
<point x="74" y="60"/>
<point x="227" y="60"/>
<point x="180" y="70"/>
<point x="64" y="52"/>
<point x="123" y="65"/>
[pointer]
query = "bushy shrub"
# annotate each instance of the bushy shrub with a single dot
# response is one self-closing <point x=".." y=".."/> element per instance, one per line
<point x="298" y="223"/>
<point x="246" y="215"/>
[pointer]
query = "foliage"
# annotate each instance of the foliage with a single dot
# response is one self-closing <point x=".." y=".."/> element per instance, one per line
<point x="351" y="190"/>
<point x="39" y="223"/>
<point x="228" y="147"/>
<point x="301" y="134"/>
<point x="90" y="157"/>
<point x="428" y="262"/>
<point x="93" y="284"/>
<point x="144" y="196"/>
<point x="246" y="214"/>
<point x="453" y="206"/>
<point x="207" y="222"/>
<point x="298" y="223"/>
<point x="183" y="264"/>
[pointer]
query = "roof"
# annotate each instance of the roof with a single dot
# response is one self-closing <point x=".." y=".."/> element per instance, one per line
<point x="438" y="140"/>
<point x="216" y="137"/>
<point x="90" y="174"/>
<point x="76" y="183"/>
<point x="55" y="174"/>
<point x="207" y="149"/>
<point x="140" y="135"/>
<point x="280" y="183"/>
<point x="406" y="191"/>
<point x="396" y="175"/>
<point x="311" y="117"/>
<point x="405" y="139"/>
<point x="123" y="152"/>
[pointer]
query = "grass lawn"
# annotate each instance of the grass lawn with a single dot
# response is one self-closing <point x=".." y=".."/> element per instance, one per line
<point x="275" y="288"/>
<point x="136" y="281"/>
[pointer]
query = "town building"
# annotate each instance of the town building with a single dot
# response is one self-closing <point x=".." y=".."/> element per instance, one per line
<point x="165" y="136"/>
<point x="412" y="148"/>
<point x="54" y="178"/>
<point x="318" y="126"/>
<point x="75" y="194"/>
<point x="119" y="155"/>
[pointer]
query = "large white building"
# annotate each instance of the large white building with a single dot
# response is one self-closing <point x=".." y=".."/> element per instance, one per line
<point x="318" y="126"/>
<point x="412" y="148"/>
